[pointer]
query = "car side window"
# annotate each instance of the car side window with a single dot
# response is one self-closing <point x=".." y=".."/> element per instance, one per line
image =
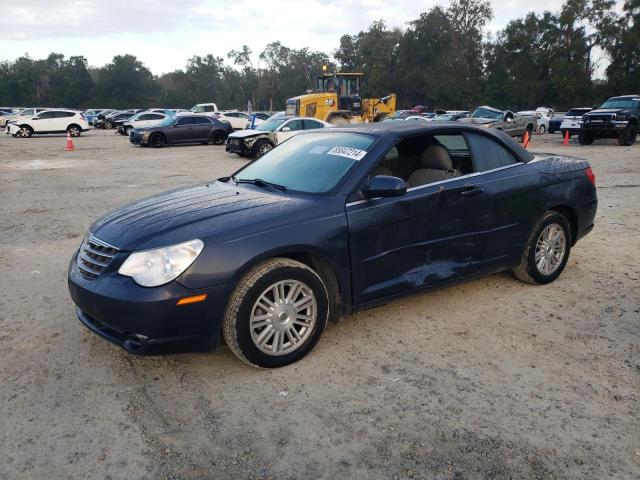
<point x="144" y="117"/>
<point x="186" y="121"/>
<point x="231" y="114"/>
<point x="208" y="108"/>
<point x="294" y="125"/>
<point x="202" y="120"/>
<point x="311" y="124"/>
<point x="488" y="154"/>
<point x="155" y="116"/>
<point x="63" y="114"/>
<point x="46" y="115"/>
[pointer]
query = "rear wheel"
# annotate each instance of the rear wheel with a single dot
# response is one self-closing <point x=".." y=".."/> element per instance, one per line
<point x="107" y="125"/>
<point x="276" y="314"/>
<point x="74" y="130"/>
<point x="628" y="136"/>
<point x="157" y="140"/>
<point x="547" y="250"/>
<point x="585" y="138"/>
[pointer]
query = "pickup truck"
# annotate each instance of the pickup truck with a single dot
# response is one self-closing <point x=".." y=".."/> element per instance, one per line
<point x="616" y="118"/>
<point x="505" y="120"/>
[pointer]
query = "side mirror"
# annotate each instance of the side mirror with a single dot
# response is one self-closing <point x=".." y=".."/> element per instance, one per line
<point x="285" y="129"/>
<point x="385" y="186"/>
<point x="508" y="119"/>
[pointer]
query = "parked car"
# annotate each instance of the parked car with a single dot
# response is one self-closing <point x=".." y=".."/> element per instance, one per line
<point x="451" y="116"/>
<point x="50" y="121"/>
<point x="109" y="120"/>
<point x="143" y="119"/>
<point x="269" y="134"/>
<point x="238" y="120"/>
<point x="571" y="121"/>
<point x="555" y="122"/>
<point x="330" y="222"/>
<point x="543" y="115"/>
<point x="204" y="108"/>
<point x="92" y="113"/>
<point x="618" y="117"/>
<point x="505" y="120"/>
<point x="182" y="129"/>
<point x="399" y="115"/>
<point x="20" y="114"/>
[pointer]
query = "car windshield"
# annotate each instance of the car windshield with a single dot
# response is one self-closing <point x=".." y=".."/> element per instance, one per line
<point x="270" y="125"/>
<point x="309" y="163"/>
<point x="576" y="113"/>
<point x="444" y="117"/>
<point x="166" y="122"/>
<point x="486" y="113"/>
<point x="621" y="103"/>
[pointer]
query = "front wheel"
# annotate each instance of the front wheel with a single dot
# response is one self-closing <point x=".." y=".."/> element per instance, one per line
<point x="157" y="140"/>
<point x="276" y="314"/>
<point x="547" y="250"/>
<point x="25" y="131"/>
<point x="585" y="138"/>
<point x="218" y="138"/>
<point x="261" y="147"/>
<point x="108" y="125"/>
<point x="542" y="130"/>
<point x="628" y="136"/>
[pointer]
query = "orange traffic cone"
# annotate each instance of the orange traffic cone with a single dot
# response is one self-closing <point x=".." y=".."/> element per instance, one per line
<point x="70" y="146"/>
<point x="565" y="141"/>
<point x="525" y="139"/>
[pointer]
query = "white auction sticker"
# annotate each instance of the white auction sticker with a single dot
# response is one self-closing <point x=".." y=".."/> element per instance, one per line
<point x="347" y="152"/>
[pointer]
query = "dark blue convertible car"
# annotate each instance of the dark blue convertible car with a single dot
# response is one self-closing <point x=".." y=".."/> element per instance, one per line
<point x="329" y="222"/>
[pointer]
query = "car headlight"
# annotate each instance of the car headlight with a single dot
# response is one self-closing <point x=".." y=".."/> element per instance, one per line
<point x="152" y="268"/>
<point x="619" y="116"/>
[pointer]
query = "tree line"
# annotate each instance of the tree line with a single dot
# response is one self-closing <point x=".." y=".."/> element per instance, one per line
<point x="442" y="59"/>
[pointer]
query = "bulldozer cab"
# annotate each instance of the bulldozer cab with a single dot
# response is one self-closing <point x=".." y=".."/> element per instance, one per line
<point x="347" y="88"/>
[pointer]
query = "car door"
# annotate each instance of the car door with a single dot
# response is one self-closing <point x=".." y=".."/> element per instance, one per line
<point x="515" y="190"/>
<point x="44" y="122"/>
<point x="288" y="129"/>
<point x="433" y="233"/>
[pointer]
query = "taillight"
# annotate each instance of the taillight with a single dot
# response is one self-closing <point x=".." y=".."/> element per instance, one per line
<point x="591" y="176"/>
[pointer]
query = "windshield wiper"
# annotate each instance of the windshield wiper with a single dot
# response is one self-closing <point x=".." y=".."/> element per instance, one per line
<point x="260" y="183"/>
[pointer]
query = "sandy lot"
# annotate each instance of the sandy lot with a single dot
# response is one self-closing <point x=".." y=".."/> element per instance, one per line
<point x="490" y="379"/>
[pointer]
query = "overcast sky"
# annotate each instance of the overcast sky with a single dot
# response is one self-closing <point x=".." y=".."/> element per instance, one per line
<point x="164" y="34"/>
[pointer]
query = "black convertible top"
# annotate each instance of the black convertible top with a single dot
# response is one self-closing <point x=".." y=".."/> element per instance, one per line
<point x="403" y="129"/>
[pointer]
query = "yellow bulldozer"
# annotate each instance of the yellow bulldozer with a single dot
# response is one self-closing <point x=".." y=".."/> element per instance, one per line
<point x="337" y="100"/>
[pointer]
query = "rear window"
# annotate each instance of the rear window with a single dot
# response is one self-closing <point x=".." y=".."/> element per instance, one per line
<point x="489" y="154"/>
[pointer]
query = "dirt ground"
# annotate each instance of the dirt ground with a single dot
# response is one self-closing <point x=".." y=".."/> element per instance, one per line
<point x="489" y="379"/>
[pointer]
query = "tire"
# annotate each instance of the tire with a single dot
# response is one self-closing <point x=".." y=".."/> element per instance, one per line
<point x="255" y="344"/>
<point x="25" y="131"/>
<point x="74" y="130"/>
<point x="261" y="147"/>
<point x="585" y="138"/>
<point x="157" y="140"/>
<point x="542" y="130"/>
<point x="218" y="138"/>
<point x="547" y="250"/>
<point x="107" y="125"/>
<point x="628" y="136"/>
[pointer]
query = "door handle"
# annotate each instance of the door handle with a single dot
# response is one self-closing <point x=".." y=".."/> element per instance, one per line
<point x="471" y="191"/>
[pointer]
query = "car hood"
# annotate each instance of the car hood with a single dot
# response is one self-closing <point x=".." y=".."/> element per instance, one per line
<point x="247" y="133"/>
<point x="605" y="111"/>
<point x="204" y="211"/>
<point x="478" y="121"/>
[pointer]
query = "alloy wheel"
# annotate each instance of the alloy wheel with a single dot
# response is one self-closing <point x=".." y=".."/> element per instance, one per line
<point x="283" y="317"/>
<point x="550" y="249"/>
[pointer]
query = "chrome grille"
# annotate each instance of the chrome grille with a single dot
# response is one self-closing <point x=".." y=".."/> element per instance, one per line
<point x="94" y="257"/>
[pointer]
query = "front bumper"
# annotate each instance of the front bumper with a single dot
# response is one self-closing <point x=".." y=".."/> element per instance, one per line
<point x="604" y="128"/>
<point x="237" y="146"/>
<point x="147" y="320"/>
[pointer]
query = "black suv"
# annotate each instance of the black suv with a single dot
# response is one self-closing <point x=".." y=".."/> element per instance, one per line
<point x="615" y="118"/>
<point x="188" y="128"/>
